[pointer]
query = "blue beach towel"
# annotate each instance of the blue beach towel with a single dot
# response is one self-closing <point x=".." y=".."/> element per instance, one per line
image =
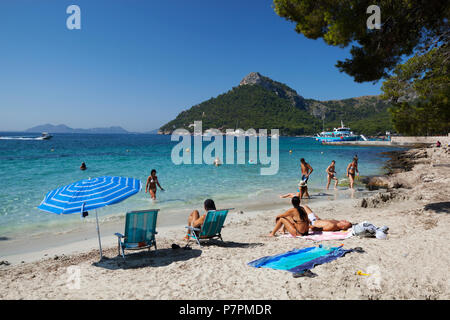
<point x="300" y="260"/>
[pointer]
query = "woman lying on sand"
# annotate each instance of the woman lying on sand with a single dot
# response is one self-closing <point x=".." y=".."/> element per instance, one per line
<point x="298" y="221"/>
<point x="195" y="220"/>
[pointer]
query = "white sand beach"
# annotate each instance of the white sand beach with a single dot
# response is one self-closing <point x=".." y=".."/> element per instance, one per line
<point x="413" y="263"/>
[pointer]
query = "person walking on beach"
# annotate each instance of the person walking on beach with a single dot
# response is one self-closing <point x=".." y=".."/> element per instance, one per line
<point x="331" y="174"/>
<point x="352" y="168"/>
<point x="152" y="182"/>
<point x="195" y="220"/>
<point x="306" y="172"/>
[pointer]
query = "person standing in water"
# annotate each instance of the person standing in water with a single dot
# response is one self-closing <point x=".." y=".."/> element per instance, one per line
<point x="331" y="172"/>
<point x="352" y="168"/>
<point x="306" y="172"/>
<point x="152" y="182"/>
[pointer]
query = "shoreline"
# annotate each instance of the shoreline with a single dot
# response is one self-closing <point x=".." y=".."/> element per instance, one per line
<point x="35" y="247"/>
<point x="413" y="200"/>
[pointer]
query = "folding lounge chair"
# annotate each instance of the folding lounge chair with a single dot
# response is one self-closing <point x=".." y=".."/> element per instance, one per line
<point x="140" y="230"/>
<point x="211" y="228"/>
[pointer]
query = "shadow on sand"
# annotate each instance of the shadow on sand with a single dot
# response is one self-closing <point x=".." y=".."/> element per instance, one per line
<point x="226" y="244"/>
<point x="439" y="207"/>
<point x="144" y="258"/>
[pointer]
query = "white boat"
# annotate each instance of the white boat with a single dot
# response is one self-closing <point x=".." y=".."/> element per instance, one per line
<point x="45" y="136"/>
<point x="341" y="133"/>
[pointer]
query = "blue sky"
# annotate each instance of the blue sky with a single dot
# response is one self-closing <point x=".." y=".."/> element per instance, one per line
<point x="137" y="63"/>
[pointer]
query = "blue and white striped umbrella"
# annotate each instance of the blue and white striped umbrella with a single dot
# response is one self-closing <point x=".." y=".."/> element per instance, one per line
<point x="91" y="193"/>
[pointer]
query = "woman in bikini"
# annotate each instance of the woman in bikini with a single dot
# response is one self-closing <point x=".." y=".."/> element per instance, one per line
<point x="152" y="182"/>
<point x="351" y="169"/>
<point x="331" y="172"/>
<point x="295" y="220"/>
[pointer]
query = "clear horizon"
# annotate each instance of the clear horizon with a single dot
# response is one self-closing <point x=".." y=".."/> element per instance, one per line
<point x="137" y="65"/>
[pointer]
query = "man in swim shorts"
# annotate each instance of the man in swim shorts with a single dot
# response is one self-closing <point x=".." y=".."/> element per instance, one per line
<point x="318" y="224"/>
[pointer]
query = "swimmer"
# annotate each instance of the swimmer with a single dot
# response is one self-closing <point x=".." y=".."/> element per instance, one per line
<point x="83" y="166"/>
<point x="152" y="182"/>
<point x="331" y="172"/>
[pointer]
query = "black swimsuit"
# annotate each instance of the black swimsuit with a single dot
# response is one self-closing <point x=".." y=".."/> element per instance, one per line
<point x="295" y="225"/>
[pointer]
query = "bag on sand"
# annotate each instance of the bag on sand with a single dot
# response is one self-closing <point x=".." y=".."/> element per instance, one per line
<point x="366" y="229"/>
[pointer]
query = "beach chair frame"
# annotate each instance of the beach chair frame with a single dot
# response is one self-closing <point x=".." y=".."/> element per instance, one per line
<point x="211" y="228"/>
<point x="150" y="231"/>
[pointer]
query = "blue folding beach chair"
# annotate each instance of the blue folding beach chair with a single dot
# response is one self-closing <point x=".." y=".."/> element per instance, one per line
<point x="140" y="231"/>
<point x="211" y="228"/>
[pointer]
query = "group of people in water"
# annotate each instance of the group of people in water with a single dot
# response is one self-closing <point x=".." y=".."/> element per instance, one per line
<point x="306" y="170"/>
<point x="298" y="220"/>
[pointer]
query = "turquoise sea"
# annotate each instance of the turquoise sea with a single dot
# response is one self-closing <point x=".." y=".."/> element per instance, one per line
<point x="31" y="168"/>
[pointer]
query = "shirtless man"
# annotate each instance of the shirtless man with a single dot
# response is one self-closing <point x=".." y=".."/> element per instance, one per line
<point x="195" y="220"/>
<point x="294" y="220"/>
<point x="152" y="182"/>
<point x="318" y="224"/>
<point x="306" y="172"/>
<point x="331" y="171"/>
<point x="351" y="169"/>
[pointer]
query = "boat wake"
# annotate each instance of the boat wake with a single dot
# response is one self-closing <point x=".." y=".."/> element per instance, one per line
<point x="21" y="138"/>
<point x="44" y="136"/>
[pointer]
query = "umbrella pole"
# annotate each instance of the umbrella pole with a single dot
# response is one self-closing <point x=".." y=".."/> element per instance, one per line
<point x="98" y="233"/>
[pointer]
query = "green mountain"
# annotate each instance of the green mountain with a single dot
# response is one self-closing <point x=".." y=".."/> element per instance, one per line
<point x="260" y="102"/>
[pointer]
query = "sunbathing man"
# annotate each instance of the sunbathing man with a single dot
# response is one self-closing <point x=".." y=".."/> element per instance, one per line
<point x="318" y="224"/>
<point x="294" y="220"/>
<point x="195" y="220"/>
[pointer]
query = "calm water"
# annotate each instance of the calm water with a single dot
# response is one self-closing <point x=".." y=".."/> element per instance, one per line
<point x="29" y="169"/>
